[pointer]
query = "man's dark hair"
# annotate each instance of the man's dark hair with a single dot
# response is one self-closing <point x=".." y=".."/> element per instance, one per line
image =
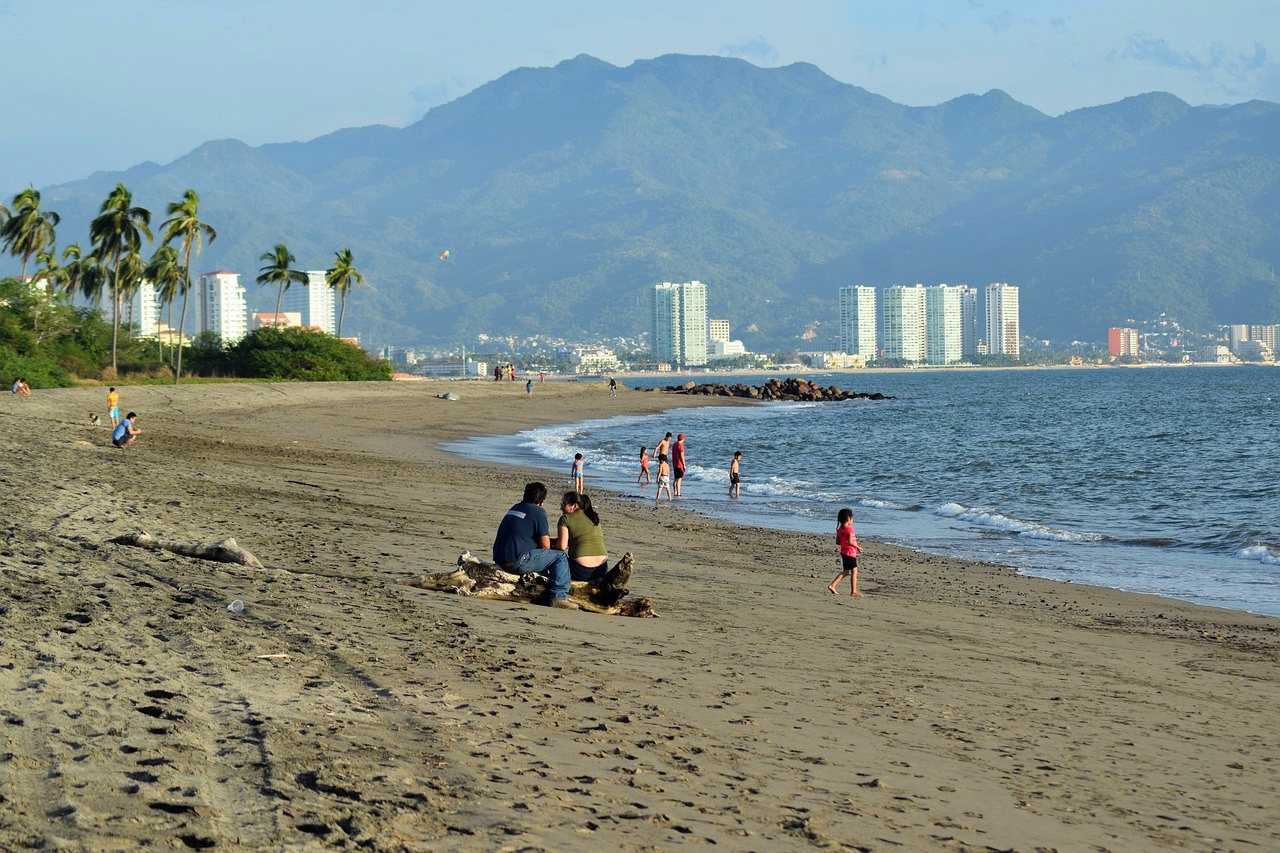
<point x="130" y="416"/>
<point x="535" y="493"/>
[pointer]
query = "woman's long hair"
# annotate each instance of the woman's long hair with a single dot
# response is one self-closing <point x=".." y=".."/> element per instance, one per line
<point x="584" y="504"/>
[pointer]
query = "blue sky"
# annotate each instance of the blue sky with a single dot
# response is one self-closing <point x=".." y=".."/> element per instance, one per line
<point x="97" y="85"/>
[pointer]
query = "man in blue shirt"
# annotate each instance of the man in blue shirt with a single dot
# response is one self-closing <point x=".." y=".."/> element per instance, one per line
<point x="523" y="545"/>
<point x="124" y="433"/>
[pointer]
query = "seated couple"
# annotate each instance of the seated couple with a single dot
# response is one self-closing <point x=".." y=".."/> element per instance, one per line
<point x="523" y="543"/>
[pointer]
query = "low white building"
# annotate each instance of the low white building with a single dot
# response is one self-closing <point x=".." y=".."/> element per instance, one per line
<point x="835" y="360"/>
<point x="725" y="349"/>
<point x="595" y="360"/>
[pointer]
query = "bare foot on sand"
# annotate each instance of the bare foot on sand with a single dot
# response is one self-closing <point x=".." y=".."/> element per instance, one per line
<point x="858" y="594"/>
<point x="833" y="590"/>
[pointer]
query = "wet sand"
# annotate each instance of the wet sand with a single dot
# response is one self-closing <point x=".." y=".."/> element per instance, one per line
<point x="957" y="706"/>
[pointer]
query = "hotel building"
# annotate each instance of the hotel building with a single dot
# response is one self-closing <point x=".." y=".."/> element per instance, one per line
<point x="1122" y="341"/>
<point x="904" y="323"/>
<point x="313" y="301"/>
<point x="220" y="306"/>
<point x="858" y="321"/>
<point x="680" y="323"/>
<point x="942" y="324"/>
<point x="1004" y="333"/>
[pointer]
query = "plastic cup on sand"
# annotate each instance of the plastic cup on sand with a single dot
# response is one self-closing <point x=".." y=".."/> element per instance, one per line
<point x="236" y="606"/>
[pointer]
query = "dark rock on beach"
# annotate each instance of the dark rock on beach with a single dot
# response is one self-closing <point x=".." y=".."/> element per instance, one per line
<point x="793" y="389"/>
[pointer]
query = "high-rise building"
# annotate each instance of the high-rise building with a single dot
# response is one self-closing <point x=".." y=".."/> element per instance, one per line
<point x="942" y="324"/>
<point x="221" y="308"/>
<point x="968" y="321"/>
<point x="143" y="310"/>
<point x="904" y="323"/>
<point x="680" y="323"/>
<point x="1266" y="335"/>
<point x="858" y="321"/>
<point x="1122" y="341"/>
<point x="1004" y="332"/>
<point x="314" y="301"/>
<point x="718" y="330"/>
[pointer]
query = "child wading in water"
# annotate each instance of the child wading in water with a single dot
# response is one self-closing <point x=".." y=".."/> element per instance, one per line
<point x="849" y="551"/>
<point x="643" y="476"/>
<point x="664" y="480"/>
<point x="575" y="473"/>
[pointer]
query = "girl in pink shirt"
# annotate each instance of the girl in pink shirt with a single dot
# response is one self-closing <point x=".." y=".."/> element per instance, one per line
<point x="849" y="551"/>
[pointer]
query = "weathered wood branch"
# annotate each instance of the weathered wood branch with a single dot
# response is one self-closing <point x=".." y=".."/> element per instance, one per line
<point x="222" y="551"/>
<point x="483" y="579"/>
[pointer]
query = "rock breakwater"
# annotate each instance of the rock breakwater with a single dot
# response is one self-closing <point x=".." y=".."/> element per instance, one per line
<point x="794" y="389"/>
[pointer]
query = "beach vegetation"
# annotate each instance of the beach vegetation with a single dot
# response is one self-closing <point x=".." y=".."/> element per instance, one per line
<point x="342" y="278"/>
<point x="169" y="277"/>
<point x="117" y="234"/>
<point x="26" y="230"/>
<point x="185" y="226"/>
<point x="292" y="353"/>
<point x="279" y="272"/>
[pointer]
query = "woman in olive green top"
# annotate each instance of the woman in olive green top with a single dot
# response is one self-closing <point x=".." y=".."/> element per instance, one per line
<point x="580" y="536"/>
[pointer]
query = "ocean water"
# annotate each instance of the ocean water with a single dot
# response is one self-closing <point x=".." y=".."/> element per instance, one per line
<point x="1157" y="480"/>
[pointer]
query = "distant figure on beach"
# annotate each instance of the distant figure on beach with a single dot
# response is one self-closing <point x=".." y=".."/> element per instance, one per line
<point x="17" y="385"/>
<point x="575" y="471"/>
<point x="664" y="479"/>
<point x="124" y="433"/>
<point x="528" y="388"/>
<point x="511" y="372"/>
<point x="523" y="545"/>
<point x="613" y="387"/>
<point x="24" y="388"/>
<point x="849" y="551"/>
<point x="93" y="418"/>
<point x="644" y="467"/>
<point x="113" y="406"/>
<point x="677" y="464"/>
<point x="579" y="535"/>
<point x="735" y="478"/>
<point x="663" y="447"/>
<point x="542" y="376"/>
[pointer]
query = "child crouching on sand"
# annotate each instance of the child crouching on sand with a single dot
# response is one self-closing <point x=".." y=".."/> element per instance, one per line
<point x="849" y="551"/>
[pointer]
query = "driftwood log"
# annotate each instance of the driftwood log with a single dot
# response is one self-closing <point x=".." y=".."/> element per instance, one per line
<point x="483" y="579"/>
<point x="222" y="551"/>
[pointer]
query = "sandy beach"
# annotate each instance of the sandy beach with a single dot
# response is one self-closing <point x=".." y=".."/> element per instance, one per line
<point x="957" y="706"/>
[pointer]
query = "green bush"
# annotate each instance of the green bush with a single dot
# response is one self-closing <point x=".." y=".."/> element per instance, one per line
<point x="303" y="355"/>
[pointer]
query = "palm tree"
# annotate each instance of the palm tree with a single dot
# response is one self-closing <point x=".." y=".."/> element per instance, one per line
<point x="117" y="232"/>
<point x="28" y="230"/>
<point x="168" y="274"/>
<point x="277" y="271"/>
<point x="50" y="270"/>
<point x="342" y="278"/>
<point x="73" y="269"/>
<point x="130" y="273"/>
<point x="184" y="224"/>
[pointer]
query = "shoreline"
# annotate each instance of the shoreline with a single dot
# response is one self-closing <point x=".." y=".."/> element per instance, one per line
<point x="957" y="701"/>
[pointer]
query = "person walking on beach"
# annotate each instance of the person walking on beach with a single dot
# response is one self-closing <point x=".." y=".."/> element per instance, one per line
<point x="644" y="467"/>
<point x="528" y="388"/>
<point x="523" y="545"/>
<point x="664" y="479"/>
<point x="663" y="447"/>
<point x="113" y="406"/>
<point x="124" y="433"/>
<point x="735" y="480"/>
<point x="677" y="464"/>
<point x="575" y="472"/>
<point x="847" y="539"/>
<point x="613" y="387"/>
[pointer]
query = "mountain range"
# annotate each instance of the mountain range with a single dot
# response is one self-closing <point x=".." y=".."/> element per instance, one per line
<point x="563" y="194"/>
